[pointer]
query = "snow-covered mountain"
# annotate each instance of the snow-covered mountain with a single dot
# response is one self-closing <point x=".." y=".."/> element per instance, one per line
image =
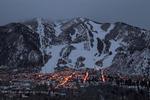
<point x="75" y="43"/>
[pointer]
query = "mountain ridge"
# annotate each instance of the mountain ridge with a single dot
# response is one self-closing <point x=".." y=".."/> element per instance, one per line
<point x="78" y="43"/>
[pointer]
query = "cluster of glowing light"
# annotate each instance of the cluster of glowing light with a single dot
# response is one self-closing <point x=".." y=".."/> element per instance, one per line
<point x="66" y="79"/>
<point x="103" y="77"/>
<point x="39" y="75"/>
<point x="86" y="77"/>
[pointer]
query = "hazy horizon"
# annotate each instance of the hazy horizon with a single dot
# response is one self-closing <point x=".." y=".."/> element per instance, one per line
<point x="133" y="12"/>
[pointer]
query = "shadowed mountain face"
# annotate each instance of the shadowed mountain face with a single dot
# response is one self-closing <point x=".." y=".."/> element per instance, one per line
<point x="19" y="47"/>
<point x="80" y="42"/>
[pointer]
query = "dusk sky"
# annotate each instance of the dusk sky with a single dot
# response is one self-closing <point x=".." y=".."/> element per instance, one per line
<point x="134" y="12"/>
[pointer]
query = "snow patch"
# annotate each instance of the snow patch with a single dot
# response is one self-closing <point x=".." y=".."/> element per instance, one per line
<point x="100" y="33"/>
<point x="58" y="29"/>
<point x="108" y="60"/>
<point x="111" y="27"/>
<point x="80" y="51"/>
<point x="52" y="62"/>
<point x="40" y="31"/>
